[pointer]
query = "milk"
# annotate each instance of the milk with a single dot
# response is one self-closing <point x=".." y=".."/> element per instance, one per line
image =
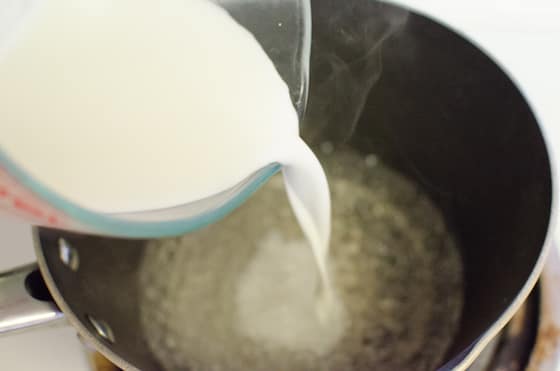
<point x="129" y="105"/>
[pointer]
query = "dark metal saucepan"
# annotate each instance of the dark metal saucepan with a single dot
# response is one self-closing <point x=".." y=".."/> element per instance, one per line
<point x="440" y="111"/>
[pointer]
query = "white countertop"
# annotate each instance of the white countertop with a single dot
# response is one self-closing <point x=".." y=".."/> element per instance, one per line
<point x="523" y="36"/>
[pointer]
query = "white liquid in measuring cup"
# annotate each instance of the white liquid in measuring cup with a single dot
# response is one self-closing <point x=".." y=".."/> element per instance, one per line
<point x="128" y="105"/>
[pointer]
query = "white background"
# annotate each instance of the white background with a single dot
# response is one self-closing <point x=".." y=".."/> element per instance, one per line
<point x="523" y="36"/>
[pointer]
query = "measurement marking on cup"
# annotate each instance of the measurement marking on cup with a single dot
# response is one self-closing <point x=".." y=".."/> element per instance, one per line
<point x="27" y="206"/>
<point x="4" y="191"/>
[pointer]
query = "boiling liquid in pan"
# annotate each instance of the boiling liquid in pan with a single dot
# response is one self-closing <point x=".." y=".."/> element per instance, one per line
<point x="393" y="264"/>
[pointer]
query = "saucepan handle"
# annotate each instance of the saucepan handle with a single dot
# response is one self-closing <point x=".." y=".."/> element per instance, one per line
<point x="25" y="301"/>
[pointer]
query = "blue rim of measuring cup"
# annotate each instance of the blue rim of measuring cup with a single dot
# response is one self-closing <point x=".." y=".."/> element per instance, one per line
<point x="112" y="224"/>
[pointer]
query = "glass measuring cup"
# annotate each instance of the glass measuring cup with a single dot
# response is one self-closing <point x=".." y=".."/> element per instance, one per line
<point x="283" y="29"/>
